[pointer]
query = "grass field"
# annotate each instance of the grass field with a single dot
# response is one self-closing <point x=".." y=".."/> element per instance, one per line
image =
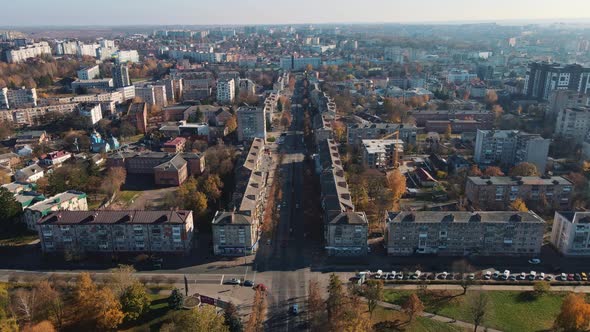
<point x="400" y="320"/>
<point x="158" y="314"/>
<point x="508" y="310"/>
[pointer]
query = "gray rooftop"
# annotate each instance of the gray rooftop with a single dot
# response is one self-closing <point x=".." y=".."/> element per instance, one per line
<point x="102" y="217"/>
<point x="464" y="217"/>
<point x="519" y="180"/>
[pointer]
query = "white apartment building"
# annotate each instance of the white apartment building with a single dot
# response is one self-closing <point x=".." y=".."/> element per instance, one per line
<point x="66" y="47"/>
<point x="460" y="76"/>
<point x="251" y="123"/>
<point x="152" y="94"/>
<point x="126" y="56"/>
<point x="247" y="86"/>
<point x="33" y="115"/>
<point x="381" y="153"/>
<point x="87" y="49"/>
<point x="30" y="51"/>
<point x="571" y="233"/>
<point x="573" y="123"/>
<point x="226" y="91"/>
<point x="104" y="84"/>
<point x="17" y="98"/>
<point x="89" y="73"/>
<point x="92" y="111"/>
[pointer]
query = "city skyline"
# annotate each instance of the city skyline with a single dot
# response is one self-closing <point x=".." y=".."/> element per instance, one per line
<point x="233" y="12"/>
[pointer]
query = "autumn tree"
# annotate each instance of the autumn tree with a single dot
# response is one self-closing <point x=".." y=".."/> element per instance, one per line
<point x="355" y="318"/>
<point x="493" y="171"/>
<point x="10" y="209"/>
<point x="258" y="314"/>
<point x="518" y="205"/>
<point x="114" y="180"/>
<point x="121" y="278"/>
<point x="335" y="303"/>
<point x="339" y="131"/>
<point x="135" y="301"/>
<point x="210" y="186"/>
<point x="51" y="304"/>
<point x="190" y="198"/>
<point x="474" y="171"/>
<point x="286" y="119"/>
<point x="413" y="306"/>
<point x="176" y="299"/>
<point x="8" y="322"/>
<point x="478" y="308"/>
<point x="491" y="97"/>
<point x="574" y="315"/>
<point x="498" y="111"/>
<point x="396" y="182"/>
<point x="231" y="124"/>
<point x="524" y="169"/>
<point x="24" y="304"/>
<point x="373" y="292"/>
<point x="448" y="132"/>
<point x="541" y="287"/>
<point x="200" y="319"/>
<point x="232" y="319"/>
<point x="315" y="305"/>
<point x="43" y="326"/>
<point x="96" y="306"/>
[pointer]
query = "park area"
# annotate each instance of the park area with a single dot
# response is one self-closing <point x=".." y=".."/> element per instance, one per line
<point x="506" y="310"/>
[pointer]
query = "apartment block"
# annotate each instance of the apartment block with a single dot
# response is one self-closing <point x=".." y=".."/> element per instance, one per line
<point x="573" y="123"/>
<point x="510" y="147"/>
<point x="382" y="153"/>
<point x="111" y="232"/>
<point x="226" y="90"/>
<point x="542" y="78"/>
<point x="92" y="111"/>
<point x="498" y="192"/>
<point x="67" y="201"/>
<point x="23" y="53"/>
<point x="120" y="75"/>
<point x="562" y="99"/>
<point x="152" y="94"/>
<point x="461" y="233"/>
<point x="375" y="131"/>
<point x="236" y="231"/>
<point x="251" y="123"/>
<point x="17" y="98"/>
<point x="101" y="84"/>
<point x="89" y="73"/>
<point x="570" y="234"/>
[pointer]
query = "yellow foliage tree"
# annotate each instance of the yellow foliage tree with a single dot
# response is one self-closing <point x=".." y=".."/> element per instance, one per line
<point x="519" y="205"/>
<point x="574" y="315"/>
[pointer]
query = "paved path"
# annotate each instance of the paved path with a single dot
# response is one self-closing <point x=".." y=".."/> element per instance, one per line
<point x="443" y="319"/>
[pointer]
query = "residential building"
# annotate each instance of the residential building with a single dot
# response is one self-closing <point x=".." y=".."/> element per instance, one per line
<point x="92" y="111"/>
<point x="246" y="86"/>
<point x="67" y="201"/>
<point x="55" y="158"/>
<point x="33" y="115"/>
<point x="23" y="53"/>
<point x="121" y="76"/>
<point x="226" y="91"/>
<point x="562" y="99"/>
<point x="101" y="84"/>
<point x="573" y="123"/>
<point x="510" y="147"/>
<point x="236" y="231"/>
<point x="570" y="233"/>
<point x="498" y="192"/>
<point x="17" y="98"/>
<point x="175" y="145"/>
<point x="152" y="94"/>
<point x="251" y="123"/>
<point x="111" y="232"/>
<point x="484" y="117"/>
<point x="375" y="131"/>
<point x="292" y="63"/>
<point x="347" y="234"/>
<point x="459" y="76"/>
<point x="542" y="78"/>
<point x="137" y="115"/>
<point x="382" y="153"/>
<point x="122" y="57"/>
<point x="30" y="173"/>
<point x="460" y="233"/>
<point x="89" y="73"/>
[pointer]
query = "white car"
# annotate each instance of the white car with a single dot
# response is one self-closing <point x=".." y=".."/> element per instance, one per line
<point x="487" y="275"/>
<point x="442" y="276"/>
<point x="391" y="275"/>
<point x="534" y="261"/>
<point x="532" y="275"/>
<point x="521" y="276"/>
<point x="471" y="276"/>
<point x="379" y="274"/>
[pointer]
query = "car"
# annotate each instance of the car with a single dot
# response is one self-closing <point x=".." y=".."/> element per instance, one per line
<point x="512" y="278"/>
<point x="294" y="309"/>
<point x="503" y="277"/>
<point x="548" y="278"/>
<point x="584" y="276"/>
<point x="534" y="261"/>
<point x="450" y="276"/>
<point x="540" y="276"/>
<point x="391" y="276"/>
<point x="248" y="283"/>
<point x="532" y="275"/>
<point x="442" y="276"/>
<point x="496" y="274"/>
<point x="577" y="277"/>
<point x="471" y="276"/>
<point x="521" y="276"/>
<point x="234" y="281"/>
<point x="487" y="275"/>
<point x="268" y="242"/>
<point x="570" y="277"/>
<point x="563" y="277"/>
<point x="399" y="276"/>
<point x="431" y="276"/>
<point x="378" y="275"/>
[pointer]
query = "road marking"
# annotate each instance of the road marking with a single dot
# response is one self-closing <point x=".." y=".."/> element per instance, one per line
<point x="221" y="282"/>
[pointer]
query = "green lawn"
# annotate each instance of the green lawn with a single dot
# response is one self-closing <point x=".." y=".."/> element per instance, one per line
<point x="509" y="310"/>
<point x="127" y="196"/>
<point x="158" y="314"/>
<point x="420" y="324"/>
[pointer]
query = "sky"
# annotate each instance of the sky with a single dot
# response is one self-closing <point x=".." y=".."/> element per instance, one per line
<point x="239" y="12"/>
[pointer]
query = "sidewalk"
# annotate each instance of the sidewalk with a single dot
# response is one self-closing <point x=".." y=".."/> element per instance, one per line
<point x="443" y="319"/>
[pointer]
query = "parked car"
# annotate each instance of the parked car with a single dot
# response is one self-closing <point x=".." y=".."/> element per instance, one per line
<point x="549" y="278"/>
<point x="442" y="276"/>
<point x="534" y="261"/>
<point x="399" y="276"/>
<point x="391" y="276"/>
<point x="294" y="309"/>
<point x="487" y="275"/>
<point x="563" y="277"/>
<point x="450" y="276"/>
<point x="532" y="275"/>
<point x="378" y="275"/>
<point x="577" y="277"/>
<point x="496" y="274"/>
<point x="471" y="276"/>
<point x="570" y="277"/>
<point x="248" y="283"/>
<point x="541" y="276"/>
<point x="584" y="276"/>
<point x="234" y="281"/>
<point x="512" y="278"/>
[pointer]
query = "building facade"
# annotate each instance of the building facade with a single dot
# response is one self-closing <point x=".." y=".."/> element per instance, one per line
<point x="111" y="232"/>
<point x="460" y="233"/>
<point x="375" y="131"/>
<point x="573" y="123"/>
<point x="570" y="234"/>
<point x="121" y="76"/>
<point x="17" y="98"/>
<point x="67" y="201"/>
<point x="23" y="53"/>
<point x="251" y="123"/>
<point x="89" y="73"/>
<point x="382" y="153"/>
<point x="226" y="90"/>
<point x="498" y="192"/>
<point x="542" y="78"/>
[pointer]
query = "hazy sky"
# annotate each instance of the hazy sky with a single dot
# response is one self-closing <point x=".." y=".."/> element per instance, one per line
<point x="156" y="12"/>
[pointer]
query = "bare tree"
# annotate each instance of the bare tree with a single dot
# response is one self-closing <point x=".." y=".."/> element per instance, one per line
<point x="478" y="308"/>
<point x="24" y="303"/>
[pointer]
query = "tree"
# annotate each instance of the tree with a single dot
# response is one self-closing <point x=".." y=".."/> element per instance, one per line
<point x="196" y="117"/>
<point x="10" y="209"/>
<point x="51" y="304"/>
<point x="518" y="205"/>
<point x="396" y="182"/>
<point x="211" y="187"/>
<point x="231" y="124"/>
<point x="478" y="307"/>
<point x="258" y="314"/>
<point x="199" y="319"/>
<point x="286" y="119"/>
<point x="498" y="111"/>
<point x="127" y="129"/>
<point x="474" y="171"/>
<point x="315" y="305"/>
<point x="493" y="171"/>
<point x="413" y="306"/>
<point x="335" y="303"/>
<point x="25" y="304"/>
<point x="96" y="306"/>
<point x="121" y="278"/>
<point x="524" y="169"/>
<point x="176" y="299"/>
<point x="541" y="287"/>
<point x="491" y="97"/>
<point x="43" y="326"/>
<point x="574" y="315"/>
<point x="135" y="301"/>
<point x="373" y="291"/>
<point x="114" y="180"/>
<point x="232" y="320"/>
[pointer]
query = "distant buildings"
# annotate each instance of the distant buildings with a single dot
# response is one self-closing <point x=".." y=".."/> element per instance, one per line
<point x="562" y="99"/>
<point x="510" y="147"/>
<point x="116" y="231"/>
<point x="122" y="57"/>
<point x="120" y="75"/>
<point x="381" y="153"/>
<point x="570" y="233"/>
<point x="33" y="115"/>
<point x="376" y="131"/>
<point x="23" y="53"/>
<point x="573" y="123"/>
<point x="251" y="123"/>
<point x="226" y="91"/>
<point x="460" y="76"/>
<point x="92" y="111"/>
<point x="103" y="84"/>
<point x="498" y="192"/>
<point x="30" y="173"/>
<point x="89" y="73"/>
<point x="237" y="231"/>
<point x="542" y="78"/>
<point x="460" y="233"/>
<point x="152" y="94"/>
<point x="17" y="98"/>
<point x="299" y="64"/>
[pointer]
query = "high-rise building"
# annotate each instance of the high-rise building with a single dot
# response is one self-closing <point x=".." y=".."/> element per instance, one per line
<point x="573" y="123"/>
<point x="89" y="73"/>
<point x="510" y="147"/>
<point x="121" y="76"/>
<point x="251" y="123"/>
<point x="542" y="78"/>
<point x="152" y="94"/>
<point x="226" y="90"/>
<point x="17" y="98"/>
<point x="561" y="99"/>
<point x="26" y="52"/>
